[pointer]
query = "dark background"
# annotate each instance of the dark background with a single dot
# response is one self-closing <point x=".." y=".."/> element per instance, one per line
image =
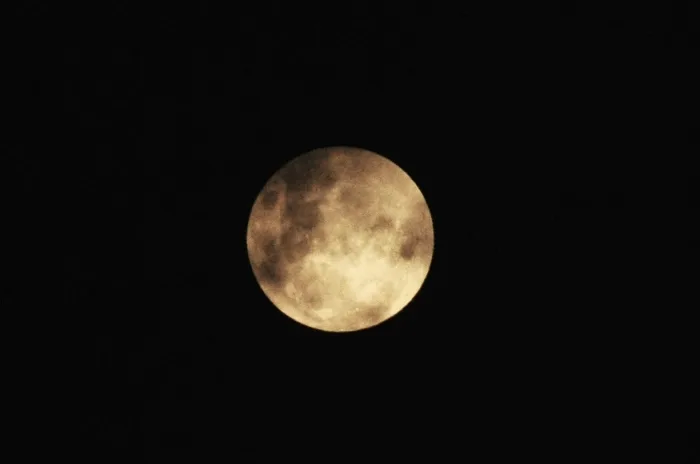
<point x="550" y="142"/>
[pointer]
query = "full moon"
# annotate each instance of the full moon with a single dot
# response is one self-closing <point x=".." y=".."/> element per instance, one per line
<point x="340" y="239"/>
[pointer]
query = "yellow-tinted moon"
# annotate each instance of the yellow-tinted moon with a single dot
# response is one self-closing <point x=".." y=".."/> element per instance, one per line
<point x="340" y="239"/>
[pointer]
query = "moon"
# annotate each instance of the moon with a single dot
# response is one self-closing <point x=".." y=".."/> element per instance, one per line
<point x="340" y="239"/>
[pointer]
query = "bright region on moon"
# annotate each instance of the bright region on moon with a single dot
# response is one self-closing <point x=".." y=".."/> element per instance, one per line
<point x="340" y="239"/>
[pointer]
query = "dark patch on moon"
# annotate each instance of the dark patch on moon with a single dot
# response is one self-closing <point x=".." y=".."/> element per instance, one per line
<point x="374" y="314"/>
<point x="353" y="199"/>
<point x="309" y="171"/>
<point x="408" y="248"/>
<point x="270" y="273"/>
<point x="300" y="216"/>
<point x="382" y="223"/>
<point x="326" y="179"/>
<point x="311" y="299"/>
<point x="295" y="244"/>
<point x="270" y="270"/>
<point x="305" y="215"/>
<point x="269" y="198"/>
<point x="269" y="246"/>
<point x="416" y="233"/>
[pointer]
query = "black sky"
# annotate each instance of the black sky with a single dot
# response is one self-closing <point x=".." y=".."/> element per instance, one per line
<point x="549" y="141"/>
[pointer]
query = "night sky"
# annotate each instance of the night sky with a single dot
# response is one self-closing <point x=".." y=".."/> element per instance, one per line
<point x="551" y="146"/>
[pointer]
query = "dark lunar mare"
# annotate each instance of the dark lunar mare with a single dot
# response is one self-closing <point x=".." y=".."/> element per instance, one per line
<point x="301" y="217"/>
<point x="408" y="248"/>
<point x="295" y="244"/>
<point x="270" y="270"/>
<point x="269" y="198"/>
<point x="415" y="243"/>
<point x="375" y="313"/>
<point x="382" y="223"/>
<point x="308" y="171"/>
<point x="354" y="200"/>
<point x="303" y="214"/>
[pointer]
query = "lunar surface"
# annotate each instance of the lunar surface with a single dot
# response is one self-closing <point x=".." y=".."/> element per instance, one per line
<point x="340" y="239"/>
